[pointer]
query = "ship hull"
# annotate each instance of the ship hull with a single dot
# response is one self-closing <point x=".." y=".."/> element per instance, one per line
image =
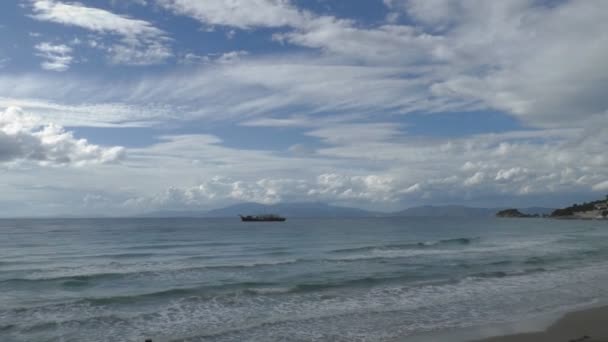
<point x="262" y="218"/>
<point x="245" y="219"/>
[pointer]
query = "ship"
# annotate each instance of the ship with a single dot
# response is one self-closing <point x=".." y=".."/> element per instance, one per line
<point x="262" y="218"/>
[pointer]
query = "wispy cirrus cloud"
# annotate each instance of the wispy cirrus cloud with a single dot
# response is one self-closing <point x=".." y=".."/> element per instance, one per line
<point x="108" y="114"/>
<point x="244" y="14"/>
<point x="140" y="42"/>
<point x="246" y="89"/>
<point x="432" y="67"/>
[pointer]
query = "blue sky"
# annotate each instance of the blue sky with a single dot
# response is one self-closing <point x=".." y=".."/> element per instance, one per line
<point x="141" y="105"/>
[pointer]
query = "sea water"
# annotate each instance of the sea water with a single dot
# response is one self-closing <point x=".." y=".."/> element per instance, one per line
<point x="377" y="279"/>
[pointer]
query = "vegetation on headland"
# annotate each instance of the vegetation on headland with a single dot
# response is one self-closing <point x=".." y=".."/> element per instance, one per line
<point x="588" y="210"/>
<point x="513" y="213"/>
<point x="594" y="209"/>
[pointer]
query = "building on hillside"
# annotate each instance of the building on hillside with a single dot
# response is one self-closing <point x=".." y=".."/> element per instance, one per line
<point x="601" y="206"/>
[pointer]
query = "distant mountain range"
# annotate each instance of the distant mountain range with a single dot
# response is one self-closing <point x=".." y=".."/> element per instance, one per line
<point x="323" y="210"/>
<point x="304" y="209"/>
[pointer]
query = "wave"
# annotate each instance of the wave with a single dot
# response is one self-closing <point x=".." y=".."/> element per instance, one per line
<point x="109" y="320"/>
<point x="229" y="291"/>
<point x="356" y="282"/>
<point x="77" y="280"/>
<point x="61" y="278"/>
<point x="501" y="262"/>
<point x="122" y="255"/>
<point x="83" y="279"/>
<point x="502" y="274"/>
<point x="7" y="327"/>
<point x="180" y="245"/>
<point x="555" y="257"/>
<point x="417" y="245"/>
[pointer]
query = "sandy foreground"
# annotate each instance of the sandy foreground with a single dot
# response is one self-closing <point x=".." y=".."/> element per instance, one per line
<point x="585" y="326"/>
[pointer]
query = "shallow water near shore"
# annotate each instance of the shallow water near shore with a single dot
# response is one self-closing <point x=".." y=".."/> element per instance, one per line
<point x="377" y="279"/>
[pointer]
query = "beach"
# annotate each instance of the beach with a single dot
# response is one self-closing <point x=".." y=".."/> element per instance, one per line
<point x="590" y="325"/>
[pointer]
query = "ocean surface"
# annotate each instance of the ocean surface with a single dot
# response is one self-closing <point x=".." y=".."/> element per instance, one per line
<point x="301" y="280"/>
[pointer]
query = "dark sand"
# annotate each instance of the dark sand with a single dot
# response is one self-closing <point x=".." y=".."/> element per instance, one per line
<point x="585" y="326"/>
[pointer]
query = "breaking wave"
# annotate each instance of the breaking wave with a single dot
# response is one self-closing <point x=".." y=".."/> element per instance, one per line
<point x="440" y="243"/>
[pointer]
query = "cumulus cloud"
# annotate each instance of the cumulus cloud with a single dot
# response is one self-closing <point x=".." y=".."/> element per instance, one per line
<point x="385" y="170"/>
<point x="223" y="190"/>
<point x="475" y="179"/>
<point x="57" y="57"/>
<point x="510" y="174"/>
<point x="140" y="42"/>
<point x="384" y="165"/>
<point x="25" y="138"/>
<point x="342" y="187"/>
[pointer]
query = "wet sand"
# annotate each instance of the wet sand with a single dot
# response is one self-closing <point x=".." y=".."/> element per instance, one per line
<point x="581" y="326"/>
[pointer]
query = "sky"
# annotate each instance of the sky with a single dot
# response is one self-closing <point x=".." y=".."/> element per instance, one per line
<point x="121" y="107"/>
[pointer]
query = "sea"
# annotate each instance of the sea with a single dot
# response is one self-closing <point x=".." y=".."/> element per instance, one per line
<point x="372" y="279"/>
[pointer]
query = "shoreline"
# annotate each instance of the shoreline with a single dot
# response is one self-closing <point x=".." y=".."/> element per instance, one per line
<point x="588" y="325"/>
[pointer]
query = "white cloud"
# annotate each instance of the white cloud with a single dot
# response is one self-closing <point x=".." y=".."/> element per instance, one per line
<point x="193" y="59"/>
<point x="231" y="57"/>
<point x="223" y="190"/>
<point x="475" y="179"/>
<point x="544" y="65"/>
<point x="293" y="121"/>
<point x="245" y="89"/>
<point x="384" y="169"/>
<point x="57" y="57"/>
<point x="93" y="115"/>
<point x="152" y="53"/>
<point x="370" y="188"/>
<point x="93" y="19"/>
<point x="532" y="56"/>
<point x="223" y="58"/>
<point x="432" y="67"/>
<point x="510" y="174"/>
<point x="385" y="45"/>
<point x="140" y="42"/>
<point x="25" y="138"/>
<point x="243" y="14"/>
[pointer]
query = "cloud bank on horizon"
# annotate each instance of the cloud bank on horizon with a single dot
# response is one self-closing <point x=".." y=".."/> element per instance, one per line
<point x="123" y="107"/>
